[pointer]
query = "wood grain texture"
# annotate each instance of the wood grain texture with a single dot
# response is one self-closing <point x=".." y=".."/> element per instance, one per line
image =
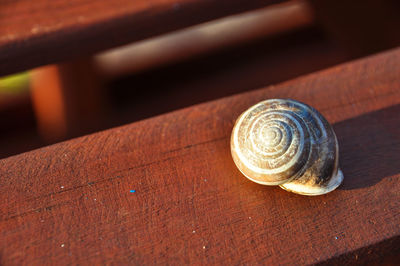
<point x="70" y="203"/>
<point x="34" y="33"/>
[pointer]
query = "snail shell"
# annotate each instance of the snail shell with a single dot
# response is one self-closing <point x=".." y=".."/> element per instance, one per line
<point x="287" y="143"/>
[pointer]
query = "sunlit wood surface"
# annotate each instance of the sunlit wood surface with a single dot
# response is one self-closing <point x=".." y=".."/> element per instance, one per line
<point x="165" y="190"/>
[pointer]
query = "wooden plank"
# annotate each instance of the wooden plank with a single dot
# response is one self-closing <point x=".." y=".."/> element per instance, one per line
<point x="67" y="99"/>
<point x="34" y="33"/>
<point x="206" y="38"/>
<point x="73" y="202"/>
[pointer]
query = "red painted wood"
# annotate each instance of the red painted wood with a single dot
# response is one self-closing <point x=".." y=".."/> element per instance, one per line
<point x="70" y="203"/>
<point x="34" y="33"/>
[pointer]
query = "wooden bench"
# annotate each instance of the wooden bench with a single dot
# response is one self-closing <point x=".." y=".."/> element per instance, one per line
<point x="68" y="33"/>
<point x="165" y="190"/>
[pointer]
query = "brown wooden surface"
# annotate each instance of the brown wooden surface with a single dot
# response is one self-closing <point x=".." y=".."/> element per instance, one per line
<point x="67" y="98"/>
<point x="71" y="203"/>
<point x="206" y="38"/>
<point x="34" y="33"/>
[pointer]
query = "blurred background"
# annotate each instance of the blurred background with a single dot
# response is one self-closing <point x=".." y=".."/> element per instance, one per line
<point x="219" y="58"/>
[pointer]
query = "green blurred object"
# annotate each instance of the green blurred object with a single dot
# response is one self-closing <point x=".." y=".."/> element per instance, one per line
<point x="14" y="84"/>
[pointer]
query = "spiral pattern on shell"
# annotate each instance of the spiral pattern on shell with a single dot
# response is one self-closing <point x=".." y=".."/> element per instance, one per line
<point x="277" y="142"/>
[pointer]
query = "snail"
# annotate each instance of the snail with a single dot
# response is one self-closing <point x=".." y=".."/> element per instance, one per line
<point x="287" y="143"/>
